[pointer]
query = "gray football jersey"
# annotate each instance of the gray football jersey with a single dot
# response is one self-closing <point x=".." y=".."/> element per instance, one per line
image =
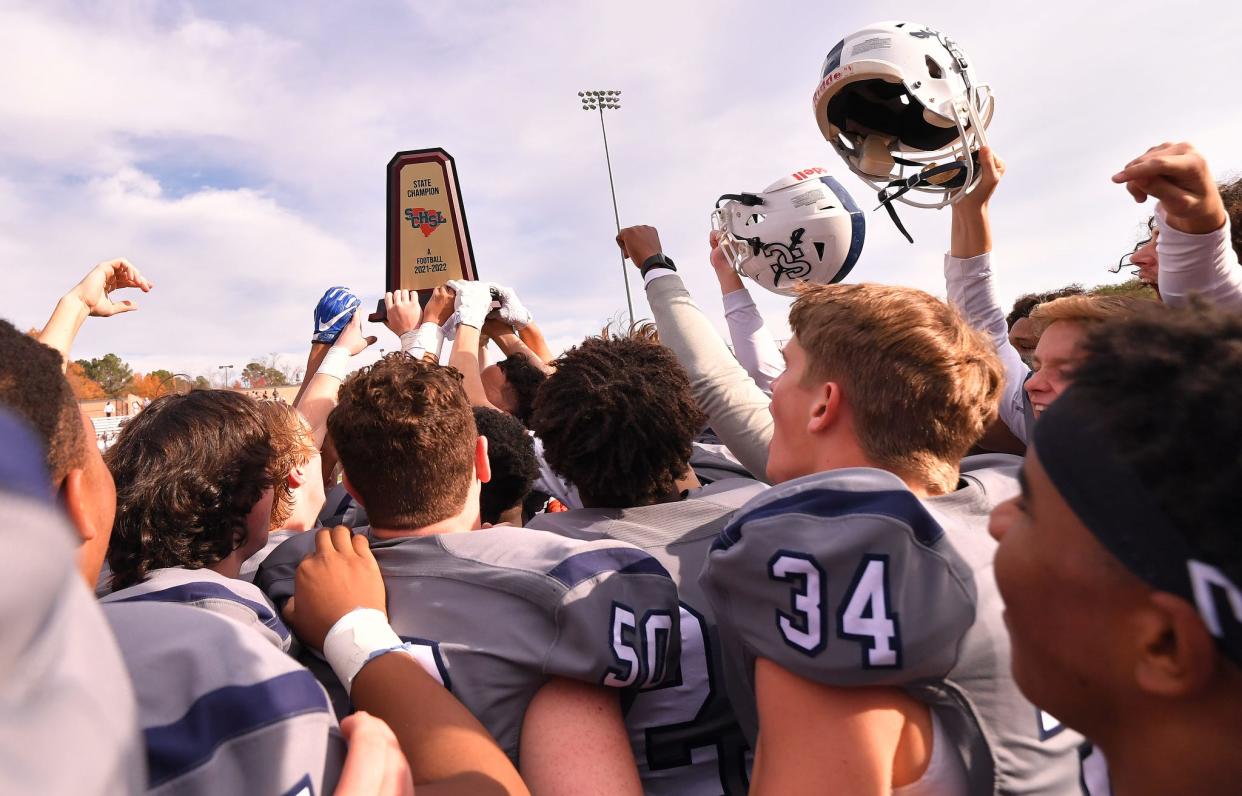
<point x="203" y="588"/>
<point x="274" y="539"/>
<point x="222" y="711"/>
<point x="846" y="578"/>
<point x="685" y="738"/>
<point x="69" y="723"/>
<point x="498" y="612"/>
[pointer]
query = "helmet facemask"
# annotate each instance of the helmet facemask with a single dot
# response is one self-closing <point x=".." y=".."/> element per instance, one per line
<point x="909" y="126"/>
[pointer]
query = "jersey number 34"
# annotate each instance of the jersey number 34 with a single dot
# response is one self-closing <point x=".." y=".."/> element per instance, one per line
<point x="864" y="616"/>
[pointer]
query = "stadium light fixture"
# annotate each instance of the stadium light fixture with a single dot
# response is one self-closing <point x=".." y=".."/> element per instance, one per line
<point x="602" y="100"/>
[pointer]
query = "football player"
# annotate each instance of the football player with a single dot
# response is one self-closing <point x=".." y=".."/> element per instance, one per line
<point x="62" y="680"/>
<point x="182" y="674"/>
<point x="617" y="419"/>
<point x="859" y="588"/>
<point x="538" y="635"/>
<point x="1120" y="564"/>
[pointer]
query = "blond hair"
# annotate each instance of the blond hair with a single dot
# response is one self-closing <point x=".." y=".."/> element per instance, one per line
<point x="292" y="446"/>
<point x="1086" y="309"/>
<point x="923" y="385"/>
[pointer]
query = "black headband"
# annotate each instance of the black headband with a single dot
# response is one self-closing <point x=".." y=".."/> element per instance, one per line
<point x="1081" y="460"/>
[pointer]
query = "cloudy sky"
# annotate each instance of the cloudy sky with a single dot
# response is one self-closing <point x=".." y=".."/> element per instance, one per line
<point x="236" y="151"/>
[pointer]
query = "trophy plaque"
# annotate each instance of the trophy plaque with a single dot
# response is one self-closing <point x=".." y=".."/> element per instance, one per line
<point x="428" y="240"/>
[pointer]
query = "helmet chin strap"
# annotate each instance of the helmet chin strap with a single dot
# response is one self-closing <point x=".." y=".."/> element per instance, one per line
<point x="895" y="189"/>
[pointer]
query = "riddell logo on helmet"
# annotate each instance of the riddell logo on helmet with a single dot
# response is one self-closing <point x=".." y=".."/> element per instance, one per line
<point x="806" y="174"/>
<point x="832" y="78"/>
<point x="425" y="220"/>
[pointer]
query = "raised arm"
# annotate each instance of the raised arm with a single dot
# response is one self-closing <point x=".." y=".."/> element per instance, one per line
<point x="446" y="748"/>
<point x="474" y="302"/>
<point x="737" y="408"/>
<point x="753" y="344"/>
<point x="319" y="397"/>
<point x="968" y="277"/>
<point x="335" y="308"/>
<point x="90" y="297"/>
<point x="1193" y="245"/>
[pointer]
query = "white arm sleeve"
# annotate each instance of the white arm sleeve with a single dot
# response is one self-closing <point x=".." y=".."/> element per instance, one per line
<point x="736" y="407"/>
<point x="1205" y="265"/>
<point x="970" y="288"/>
<point x="753" y="344"/>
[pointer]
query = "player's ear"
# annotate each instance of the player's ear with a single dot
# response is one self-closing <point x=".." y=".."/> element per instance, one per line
<point x="297" y="476"/>
<point x="1176" y="654"/>
<point x="482" y="466"/>
<point x="826" y="408"/>
<point x="76" y="497"/>
<point x="353" y="493"/>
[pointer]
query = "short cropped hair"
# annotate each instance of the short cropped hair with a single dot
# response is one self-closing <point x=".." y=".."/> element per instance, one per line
<point x="1088" y="309"/>
<point x="188" y="470"/>
<point x="511" y="453"/>
<point x="923" y="385"/>
<point x="617" y="419"/>
<point x="1167" y="384"/>
<point x="524" y="379"/>
<point x="293" y="447"/>
<point x="33" y="387"/>
<point x="405" y="435"/>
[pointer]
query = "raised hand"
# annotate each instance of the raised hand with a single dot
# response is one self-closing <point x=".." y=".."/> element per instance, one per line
<point x="1178" y="177"/>
<point x="94" y="289"/>
<point x="639" y="243"/>
<point x="991" y="169"/>
<point x="440" y="306"/>
<point x="338" y="577"/>
<point x="512" y="311"/>
<point x="403" y="312"/>
<point x="332" y="313"/>
<point x="351" y="339"/>
<point x="474" y="301"/>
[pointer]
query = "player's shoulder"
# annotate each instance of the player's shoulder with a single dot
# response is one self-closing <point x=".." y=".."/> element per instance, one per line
<point x="563" y="562"/>
<point x="202" y="681"/>
<point x="844" y="577"/>
<point x="995" y="474"/>
<point x="854" y="502"/>
<point x="202" y="588"/>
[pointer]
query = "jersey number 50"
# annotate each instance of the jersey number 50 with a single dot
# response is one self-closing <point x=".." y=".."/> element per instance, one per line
<point x="865" y="614"/>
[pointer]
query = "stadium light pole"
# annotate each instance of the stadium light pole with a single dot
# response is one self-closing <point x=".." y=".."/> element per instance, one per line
<point x="226" y="369"/>
<point x="602" y="101"/>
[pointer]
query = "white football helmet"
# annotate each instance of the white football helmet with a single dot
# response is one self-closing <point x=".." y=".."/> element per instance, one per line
<point x="900" y="104"/>
<point x="804" y="227"/>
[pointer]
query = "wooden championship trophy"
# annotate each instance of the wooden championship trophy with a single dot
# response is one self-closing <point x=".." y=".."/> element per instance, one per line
<point x="428" y="239"/>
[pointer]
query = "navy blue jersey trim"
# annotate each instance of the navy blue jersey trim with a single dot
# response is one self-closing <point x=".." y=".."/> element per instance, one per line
<point x="622" y="560"/>
<point x="224" y="714"/>
<point x="206" y="590"/>
<point x="832" y="503"/>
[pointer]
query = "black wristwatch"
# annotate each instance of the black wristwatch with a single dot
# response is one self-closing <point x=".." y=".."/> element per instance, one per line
<point x="657" y="260"/>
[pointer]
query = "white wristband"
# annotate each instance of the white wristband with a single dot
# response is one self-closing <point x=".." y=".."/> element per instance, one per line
<point x="427" y="339"/>
<point x="356" y="638"/>
<point x="335" y="363"/>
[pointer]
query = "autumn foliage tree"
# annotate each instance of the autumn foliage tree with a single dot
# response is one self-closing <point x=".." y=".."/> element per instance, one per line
<point x="84" y="387"/>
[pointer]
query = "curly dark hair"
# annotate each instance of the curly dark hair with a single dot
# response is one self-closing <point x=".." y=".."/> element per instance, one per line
<point x="33" y="386"/>
<point x="1023" y="305"/>
<point x="511" y="452"/>
<point x="1231" y="193"/>
<point x="405" y="435"/>
<point x="188" y="470"/>
<point x="617" y="419"/>
<point x="1168" y="384"/>
<point x="524" y="379"/>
